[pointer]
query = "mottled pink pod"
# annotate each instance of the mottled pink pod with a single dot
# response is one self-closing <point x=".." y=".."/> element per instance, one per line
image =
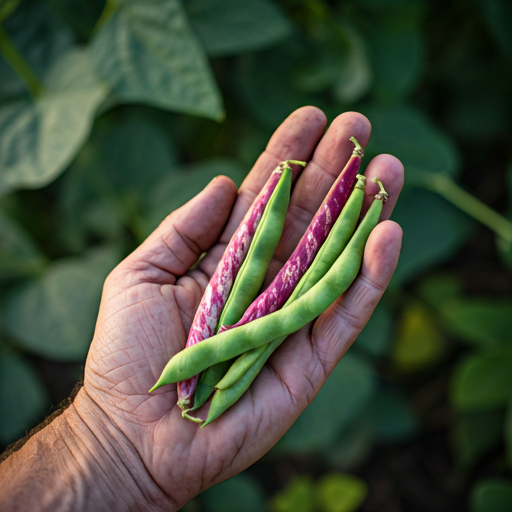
<point x="275" y="296"/>
<point x="217" y="292"/>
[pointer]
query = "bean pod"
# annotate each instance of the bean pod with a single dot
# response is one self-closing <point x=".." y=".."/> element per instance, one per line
<point x="278" y="325"/>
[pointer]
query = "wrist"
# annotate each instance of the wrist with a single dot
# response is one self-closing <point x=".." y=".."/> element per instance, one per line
<point x="80" y="461"/>
<point x="114" y="474"/>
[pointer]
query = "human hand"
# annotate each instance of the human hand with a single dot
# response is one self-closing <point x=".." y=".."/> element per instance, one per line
<point x="149" y="301"/>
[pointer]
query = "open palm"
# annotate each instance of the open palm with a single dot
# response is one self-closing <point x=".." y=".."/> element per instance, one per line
<point x="150" y="299"/>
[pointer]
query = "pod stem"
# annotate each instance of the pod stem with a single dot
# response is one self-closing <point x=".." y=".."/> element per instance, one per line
<point x="191" y="418"/>
<point x="382" y="195"/>
<point x="358" y="150"/>
<point x="361" y="182"/>
<point x="296" y="162"/>
<point x="20" y="65"/>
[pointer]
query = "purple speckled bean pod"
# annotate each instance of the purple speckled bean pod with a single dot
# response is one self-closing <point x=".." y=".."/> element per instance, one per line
<point x="275" y="296"/>
<point x="217" y="292"/>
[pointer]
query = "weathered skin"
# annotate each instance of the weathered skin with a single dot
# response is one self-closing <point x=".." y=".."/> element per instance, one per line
<point x="217" y="292"/>
<point x="275" y="296"/>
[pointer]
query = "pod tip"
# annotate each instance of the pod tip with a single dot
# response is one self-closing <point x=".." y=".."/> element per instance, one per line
<point x="191" y="418"/>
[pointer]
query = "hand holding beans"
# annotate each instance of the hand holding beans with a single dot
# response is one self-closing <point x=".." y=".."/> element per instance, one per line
<point x="262" y="328"/>
<point x="150" y="299"/>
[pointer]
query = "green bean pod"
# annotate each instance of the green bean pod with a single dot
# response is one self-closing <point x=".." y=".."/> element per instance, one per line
<point x="250" y="276"/>
<point x="225" y="397"/>
<point x="336" y="241"/>
<point x="229" y="344"/>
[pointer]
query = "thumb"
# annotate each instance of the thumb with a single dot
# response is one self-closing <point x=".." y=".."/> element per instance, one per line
<point x="184" y="234"/>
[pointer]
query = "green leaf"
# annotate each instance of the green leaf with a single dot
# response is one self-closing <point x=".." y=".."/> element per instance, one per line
<point x="375" y="338"/>
<point x="433" y="231"/>
<point x="148" y="53"/>
<point x="476" y="434"/>
<point x="397" y="50"/>
<point x="391" y="416"/>
<point x="54" y="316"/>
<point x="345" y="394"/>
<point x="230" y="27"/>
<point x="482" y="382"/>
<point x="23" y="400"/>
<point x="299" y="495"/>
<point x="19" y="255"/>
<point x="355" y="75"/>
<point x="491" y="495"/>
<point x="40" y="36"/>
<point x="175" y="189"/>
<point x="407" y="134"/>
<point x="418" y="343"/>
<point x="498" y="14"/>
<point x="39" y="138"/>
<point x="238" y="493"/>
<point x="484" y="322"/>
<point x="341" y="492"/>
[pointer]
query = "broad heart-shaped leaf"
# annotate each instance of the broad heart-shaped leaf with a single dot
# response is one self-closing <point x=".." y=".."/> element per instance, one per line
<point x="482" y="382"/>
<point x="499" y="17"/>
<point x="238" y="493"/>
<point x="231" y="27"/>
<point x="23" y="400"/>
<point x="418" y="343"/>
<point x="54" y="316"/>
<point x="484" y="322"/>
<point x="41" y="37"/>
<point x="38" y="138"/>
<point x="178" y="187"/>
<point x="19" y="255"/>
<point x="345" y="394"/>
<point x="341" y="492"/>
<point x="491" y="495"/>
<point x="475" y="434"/>
<point x="433" y="231"/>
<point x="407" y="134"/>
<point x="148" y="53"/>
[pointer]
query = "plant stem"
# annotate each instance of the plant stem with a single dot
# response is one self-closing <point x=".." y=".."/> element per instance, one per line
<point x="109" y="9"/>
<point x="447" y="188"/>
<point x="19" y="64"/>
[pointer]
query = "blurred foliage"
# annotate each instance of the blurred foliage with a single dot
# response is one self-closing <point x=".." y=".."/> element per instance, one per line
<point x="114" y="114"/>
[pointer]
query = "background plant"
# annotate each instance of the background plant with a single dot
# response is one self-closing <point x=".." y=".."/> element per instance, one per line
<point x="112" y="115"/>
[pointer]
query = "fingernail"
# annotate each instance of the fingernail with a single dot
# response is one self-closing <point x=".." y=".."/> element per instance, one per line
<point x="214" y="179"/>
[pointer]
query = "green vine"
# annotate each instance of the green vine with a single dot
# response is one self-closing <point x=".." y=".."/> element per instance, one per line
<point x="19" y="64"/>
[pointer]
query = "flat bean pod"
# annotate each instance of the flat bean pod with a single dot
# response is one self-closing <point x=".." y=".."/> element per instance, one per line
<point x="234" y="342"/>
<point x="226" y="397"/>
<point x="250" y="276"/>
<point x="337" y="240"/>
<point x="278" y="292"/>
<point x="206" y="319"/>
